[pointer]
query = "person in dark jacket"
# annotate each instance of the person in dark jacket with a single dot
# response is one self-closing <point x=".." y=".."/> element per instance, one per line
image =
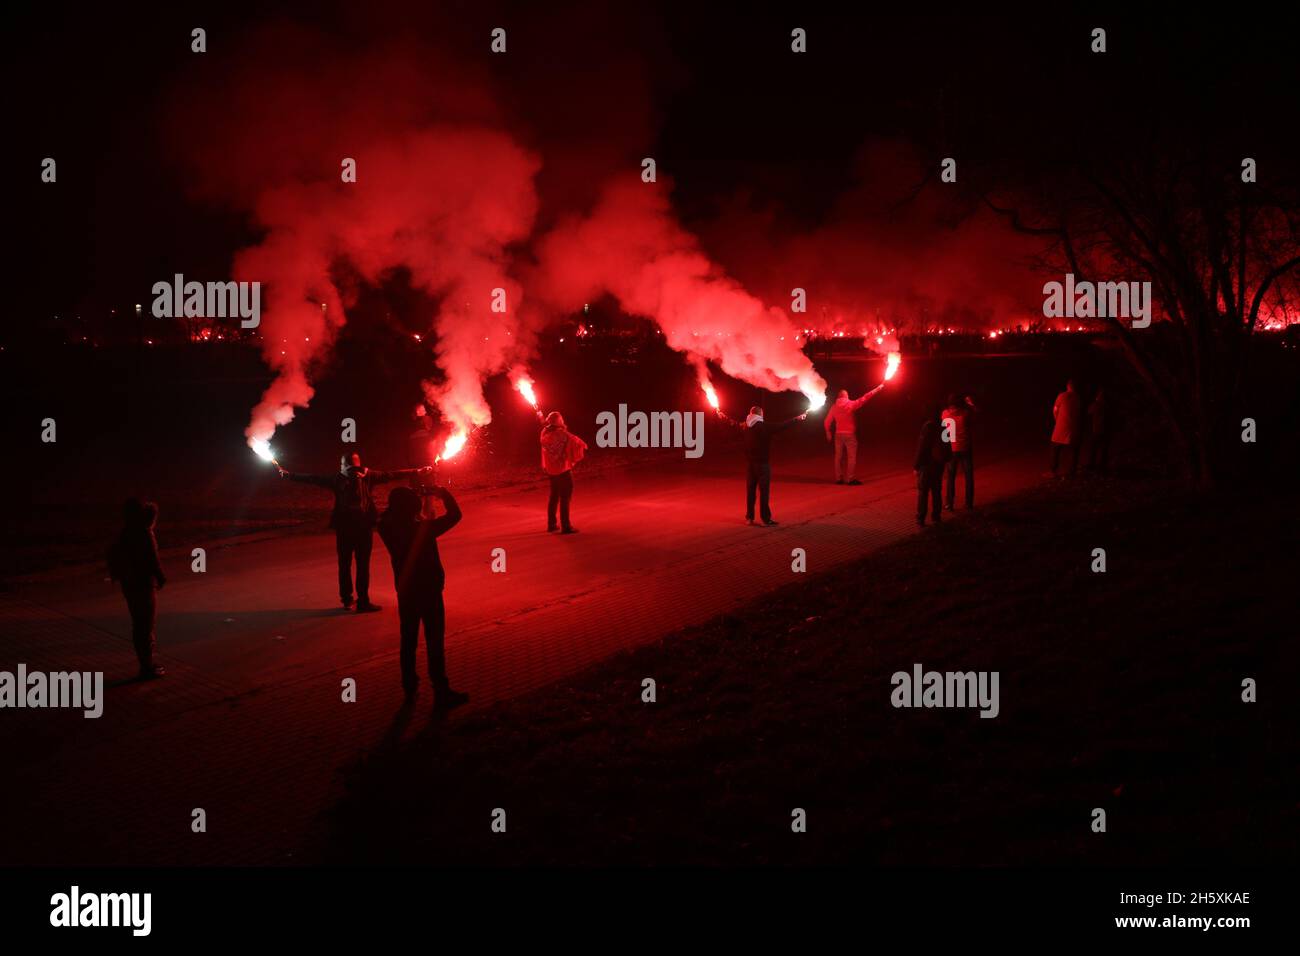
<point x="932" y="454"/>
<point x="1100" y="429"/>
<point x="353" y="520"/>
<point x="133" y="562"/>
<point x="758" y="449"/>
<point x="418" y="576"/>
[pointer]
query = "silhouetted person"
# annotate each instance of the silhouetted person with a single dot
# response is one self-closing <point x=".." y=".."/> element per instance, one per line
<point x="133" y="562"/>
<point x="561" y="450"/>
<point x="758" y="452"/>
<point x="1068" y="430"/>
<point x="418" y="576"/>
<point x="842" y="431"/>
<point x="1100" y="429"/>
<point x="353" y="520"/>
<point x="960" y="413"/>
<point x="932" y="454"/>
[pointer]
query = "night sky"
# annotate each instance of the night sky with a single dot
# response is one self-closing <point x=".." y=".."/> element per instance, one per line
<point x="747" y="131"/>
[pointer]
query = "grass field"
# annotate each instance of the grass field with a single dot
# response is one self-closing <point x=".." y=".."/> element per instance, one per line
<point x="1119" y="690"/>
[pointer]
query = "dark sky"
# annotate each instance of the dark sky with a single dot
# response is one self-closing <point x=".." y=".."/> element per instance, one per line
<point x="714" y="94"/>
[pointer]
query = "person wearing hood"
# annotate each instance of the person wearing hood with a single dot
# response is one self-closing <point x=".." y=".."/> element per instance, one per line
<point x="133" y="563"/>
<point x="353" y="519"/>
<point x="758" y="451"/>
<point x="419" y="578"/>
<point x="841" y="431"/>
<point x="561" y="450"/>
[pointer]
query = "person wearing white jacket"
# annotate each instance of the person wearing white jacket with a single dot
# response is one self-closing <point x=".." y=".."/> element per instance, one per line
<point x="1068" y="430"/>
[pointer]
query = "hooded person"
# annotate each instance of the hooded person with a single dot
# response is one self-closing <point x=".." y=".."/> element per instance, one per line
<point x="758" y="461"/>
<point x="133" y="563"/>
<point x="842" y="432"/>
<point x="561" y="450"/>
<point x="419" y="579"/>
<point x="353" y="519"/>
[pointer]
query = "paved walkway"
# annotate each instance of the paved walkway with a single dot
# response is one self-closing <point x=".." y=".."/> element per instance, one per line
<point x="249" y="723"/>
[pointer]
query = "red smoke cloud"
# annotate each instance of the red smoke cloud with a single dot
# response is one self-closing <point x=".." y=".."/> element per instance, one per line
<point x="632" y="247"/>
<point x="439" y="190"/>
<point x="443" y="203"/>
<point x="895" y="251"/>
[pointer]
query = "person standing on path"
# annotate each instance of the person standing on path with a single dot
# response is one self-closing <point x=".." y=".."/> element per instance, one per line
<point x="841" y="431"/>
<point x="133" y="562"/>
<point x="957" y="419"/>
<point x="758" y="459"/>
<point x="561" y="450"/>
<point x="932" y="454"/>
<point x="1067" y="433"/>
<point x="353" y="520"/>
<point x="419" y="579"/>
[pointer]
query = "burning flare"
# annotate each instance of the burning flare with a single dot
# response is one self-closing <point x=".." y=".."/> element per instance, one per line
<point x="525" y="388"/>
<point x="710" y="394"/>
<point x="455" y="442"/>
<point x="262" y="448"/>
<point x="892" y="361"/>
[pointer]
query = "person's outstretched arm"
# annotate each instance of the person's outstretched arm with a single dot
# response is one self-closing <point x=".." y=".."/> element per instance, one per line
<point x="323" y="481"/>
<point x="786" y="424"/>
<point x="866" y="397"/>
<point x="440" y="526"/>
<point x="383" y="477"/>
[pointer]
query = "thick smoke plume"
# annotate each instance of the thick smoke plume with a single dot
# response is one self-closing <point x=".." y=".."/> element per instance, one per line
<point x="632" y="247"/>
<point x="440" y="191"/>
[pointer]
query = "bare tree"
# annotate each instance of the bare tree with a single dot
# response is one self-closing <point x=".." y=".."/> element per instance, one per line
<point x="1219" y="252"/>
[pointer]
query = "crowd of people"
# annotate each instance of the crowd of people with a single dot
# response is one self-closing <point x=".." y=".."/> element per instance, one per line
<point x="410" y="529"/>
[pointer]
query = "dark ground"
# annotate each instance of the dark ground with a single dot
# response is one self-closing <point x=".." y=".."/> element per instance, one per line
<point x="1120" y="691"/>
